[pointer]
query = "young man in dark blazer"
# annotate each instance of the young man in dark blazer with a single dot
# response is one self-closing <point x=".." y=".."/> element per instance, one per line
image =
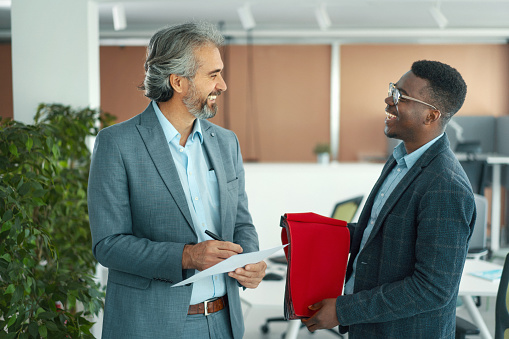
<point x="409" y="246"/>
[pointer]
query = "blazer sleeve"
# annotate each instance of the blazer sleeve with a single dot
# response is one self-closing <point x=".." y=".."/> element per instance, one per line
<point x="114" y="244"/>
<point x="445" y="217"/>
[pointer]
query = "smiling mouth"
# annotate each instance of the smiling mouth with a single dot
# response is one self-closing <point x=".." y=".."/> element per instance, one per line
<point x="389" y="116"/>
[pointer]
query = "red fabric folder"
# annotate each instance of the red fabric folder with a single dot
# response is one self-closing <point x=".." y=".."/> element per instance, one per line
<point x="317" y="256"/>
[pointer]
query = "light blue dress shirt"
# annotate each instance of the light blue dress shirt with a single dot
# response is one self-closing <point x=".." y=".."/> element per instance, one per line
<point x="202" y="194"/>
<point x="404" y="164"/>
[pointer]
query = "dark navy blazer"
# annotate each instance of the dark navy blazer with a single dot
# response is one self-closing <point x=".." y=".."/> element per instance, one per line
<point x="409" y="271"/>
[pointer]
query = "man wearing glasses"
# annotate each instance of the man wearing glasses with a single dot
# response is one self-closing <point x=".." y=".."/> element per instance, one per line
<point x="409" y="245"/>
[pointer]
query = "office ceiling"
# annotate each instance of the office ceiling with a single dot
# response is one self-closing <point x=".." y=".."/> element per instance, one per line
<point x="295" y="20"/>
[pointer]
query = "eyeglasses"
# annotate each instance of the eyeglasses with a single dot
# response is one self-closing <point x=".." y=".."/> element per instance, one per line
<point x="396" y="95"/>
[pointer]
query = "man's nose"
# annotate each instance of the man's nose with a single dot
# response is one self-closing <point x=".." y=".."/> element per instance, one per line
<point x="221" y="85"/>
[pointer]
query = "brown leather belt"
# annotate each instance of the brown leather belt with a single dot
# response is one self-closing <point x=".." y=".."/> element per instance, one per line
<point x="208" y="306"/>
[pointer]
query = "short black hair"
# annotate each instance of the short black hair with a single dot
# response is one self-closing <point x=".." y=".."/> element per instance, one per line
<point x="446" y="88"/>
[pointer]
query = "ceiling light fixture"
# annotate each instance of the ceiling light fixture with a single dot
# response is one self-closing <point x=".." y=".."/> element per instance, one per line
<point x="119" y="20"/>
<point x="439" y="17"/>
<point x="246" y="17"/>
<point x="322" y="17"/>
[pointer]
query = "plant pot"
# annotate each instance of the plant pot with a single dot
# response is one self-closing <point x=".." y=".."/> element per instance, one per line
<point x="323" y="158"/>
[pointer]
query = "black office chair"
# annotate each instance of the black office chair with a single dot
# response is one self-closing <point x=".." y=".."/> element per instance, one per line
<point x="343" y="210"/>
<point x="476" y="171"/>
<point x="477" y="248"/>
<point x="501" y="309"/>
<point x="464" y="327"/>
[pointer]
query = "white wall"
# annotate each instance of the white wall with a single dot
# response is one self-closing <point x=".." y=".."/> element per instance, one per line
<point x="275" y="189"/>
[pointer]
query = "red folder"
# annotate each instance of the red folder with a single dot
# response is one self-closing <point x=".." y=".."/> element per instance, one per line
<point x="317" y="256"/>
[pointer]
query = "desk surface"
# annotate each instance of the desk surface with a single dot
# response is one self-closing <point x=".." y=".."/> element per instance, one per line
<point x="271" y="293"/>
<point x="471" y="285"/>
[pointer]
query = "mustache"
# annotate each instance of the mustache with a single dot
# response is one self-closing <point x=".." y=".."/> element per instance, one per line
<point x="215" y="93"/>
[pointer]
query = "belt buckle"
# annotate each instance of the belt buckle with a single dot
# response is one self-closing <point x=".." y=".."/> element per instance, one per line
<point x="205" y="304"/>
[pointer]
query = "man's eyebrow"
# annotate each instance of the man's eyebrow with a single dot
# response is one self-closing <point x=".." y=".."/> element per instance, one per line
<point x="401" y="90"/>
<point x="215" y="71"/>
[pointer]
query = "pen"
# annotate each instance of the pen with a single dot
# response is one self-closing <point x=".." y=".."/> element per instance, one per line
<point x="213" y="236"/>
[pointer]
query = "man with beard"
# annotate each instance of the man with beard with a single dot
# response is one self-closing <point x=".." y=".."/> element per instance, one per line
<point x="157" y="183"/>
<point x="410" y="243"/>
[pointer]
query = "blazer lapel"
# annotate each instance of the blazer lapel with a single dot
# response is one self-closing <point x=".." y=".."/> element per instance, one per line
<point x="440" y="145"/>
<point x="366" y="212"/>
<point x="153" y="136"/>
<point x="211" y="145"/>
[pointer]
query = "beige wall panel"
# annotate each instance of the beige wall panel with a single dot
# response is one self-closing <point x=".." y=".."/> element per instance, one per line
<point x="121" y="73"/>
<point x="366" y="71"/>
<point x="281" y="109"/>
<point x="6" y="108"/>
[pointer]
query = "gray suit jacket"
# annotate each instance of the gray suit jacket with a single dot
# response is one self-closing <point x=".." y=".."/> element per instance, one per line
<point x="408" y="273"/>
<point x="140" y="222"/>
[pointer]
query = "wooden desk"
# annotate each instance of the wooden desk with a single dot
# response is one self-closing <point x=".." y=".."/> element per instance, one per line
<point x="271" y="293"/>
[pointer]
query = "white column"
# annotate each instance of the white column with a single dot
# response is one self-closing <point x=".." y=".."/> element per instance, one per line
<point x="335" y="76"/>
<point x="55" y="54"/>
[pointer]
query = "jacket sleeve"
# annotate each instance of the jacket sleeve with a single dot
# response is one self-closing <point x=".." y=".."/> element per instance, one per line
<point x="114" y="244"/>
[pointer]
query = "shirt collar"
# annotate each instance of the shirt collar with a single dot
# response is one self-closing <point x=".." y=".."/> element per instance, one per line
<point x="171" y="132"/>
<point x="402" y="158"/>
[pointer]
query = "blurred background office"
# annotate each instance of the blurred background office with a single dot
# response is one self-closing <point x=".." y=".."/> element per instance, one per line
<point x="300" y="73"/>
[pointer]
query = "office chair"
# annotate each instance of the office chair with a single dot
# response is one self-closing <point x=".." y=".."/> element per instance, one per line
<point x="476" y="250"/>
<point x="477" y="247"/>
<point x="464" y="327"/>
<point x="343" y="210"/>
<point x="501" y="312"/>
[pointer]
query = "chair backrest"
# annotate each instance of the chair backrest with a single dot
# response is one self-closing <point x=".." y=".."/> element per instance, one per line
<point x="478" y="239"/>
<point x="476" y="171"/>
<point x="501" y="313"/>
<point x="345" y="210"/>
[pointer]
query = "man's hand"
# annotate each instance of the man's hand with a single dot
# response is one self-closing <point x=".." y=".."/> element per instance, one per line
<point x="208" y="253"/>
<point x="325" y="317"/>
<point x="250" y="275"/>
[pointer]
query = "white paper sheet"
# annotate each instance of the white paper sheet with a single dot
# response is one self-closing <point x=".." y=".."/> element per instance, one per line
<point x="230" y="264"/>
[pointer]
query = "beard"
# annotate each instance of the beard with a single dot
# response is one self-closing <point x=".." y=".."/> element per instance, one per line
<point x="198" y="107"/>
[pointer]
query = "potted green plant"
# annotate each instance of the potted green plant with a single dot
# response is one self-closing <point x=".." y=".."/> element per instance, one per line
<point x="47" y="268"/>
<point x="322" y="151"/>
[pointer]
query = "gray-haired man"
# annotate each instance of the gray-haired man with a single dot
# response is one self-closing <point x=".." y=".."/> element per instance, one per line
<point x="159" y="181"/>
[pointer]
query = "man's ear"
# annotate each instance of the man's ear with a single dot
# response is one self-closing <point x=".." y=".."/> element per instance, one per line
<point x="177" y="83"/>
<point x="433" y="116"/>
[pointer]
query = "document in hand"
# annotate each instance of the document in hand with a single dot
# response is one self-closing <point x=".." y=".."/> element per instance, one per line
<point x="317" y="256"/>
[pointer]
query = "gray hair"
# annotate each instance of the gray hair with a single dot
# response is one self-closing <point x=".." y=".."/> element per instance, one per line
<point x="171" y="51"/>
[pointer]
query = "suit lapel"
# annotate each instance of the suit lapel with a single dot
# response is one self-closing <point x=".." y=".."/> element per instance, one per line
<point x="211" y="145"/>
<point x="440" y="145"/>
<point x="153" y="136"/>
<point x="366" y="212"/>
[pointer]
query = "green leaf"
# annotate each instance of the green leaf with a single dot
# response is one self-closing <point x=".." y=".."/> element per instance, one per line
<point x="6" y="226"/>
<point x="33" y="329"/>
<point x="7" y="215"/>
<point x="10" y="289"/>
<point x="12" y="320"/>
<point x="51" y="326"/>
<point x="55" y="150"/>
<point x="39" y="311"/>
<point x="47" y="315"/>
<point x="29" y="144"/>
<point x="24" y="189"/>
<point x="43" y="331"/>
<point x="13" y="149"/>
<point x="6" y="257"/>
